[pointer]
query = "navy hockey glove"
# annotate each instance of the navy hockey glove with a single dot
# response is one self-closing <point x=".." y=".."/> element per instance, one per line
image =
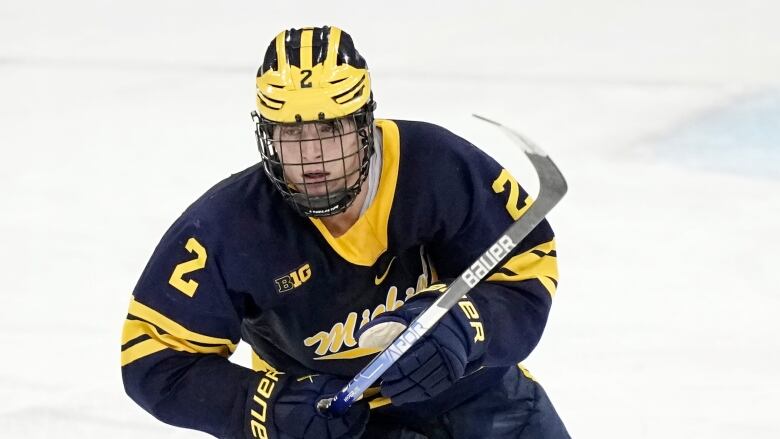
<point x="453" y="347"/>
<point x="283" y="407"/>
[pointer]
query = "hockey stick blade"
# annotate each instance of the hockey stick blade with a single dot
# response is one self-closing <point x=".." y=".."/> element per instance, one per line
<point x="552" y="187"/>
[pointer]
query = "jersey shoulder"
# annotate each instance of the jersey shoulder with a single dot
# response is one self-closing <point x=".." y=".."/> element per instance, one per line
<point x="229" y="206"/>
<point x="436" y="152"/>
<point x="230" y="195"/>
<point x="442" y="180"/>
<point x="434" y="157"/>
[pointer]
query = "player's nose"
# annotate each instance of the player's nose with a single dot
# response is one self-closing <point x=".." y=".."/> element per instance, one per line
<point x="311" y="150"/>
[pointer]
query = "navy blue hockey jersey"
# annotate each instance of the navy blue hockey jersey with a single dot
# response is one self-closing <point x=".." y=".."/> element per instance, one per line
<point x="240" y="264"/>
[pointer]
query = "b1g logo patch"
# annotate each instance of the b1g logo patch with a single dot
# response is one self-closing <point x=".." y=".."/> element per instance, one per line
<point x="293" y="280"/>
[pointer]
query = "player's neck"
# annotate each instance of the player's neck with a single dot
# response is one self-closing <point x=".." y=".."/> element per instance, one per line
<point x="339" y="224"/>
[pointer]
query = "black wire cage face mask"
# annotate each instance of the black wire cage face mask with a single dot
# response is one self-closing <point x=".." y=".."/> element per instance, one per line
<point x="318" y="167"/>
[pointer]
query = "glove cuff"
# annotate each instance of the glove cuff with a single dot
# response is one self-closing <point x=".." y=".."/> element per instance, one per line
<point x="260" y="403"/>
<point x="283" y="407"/>
<point x="466" y="314"/>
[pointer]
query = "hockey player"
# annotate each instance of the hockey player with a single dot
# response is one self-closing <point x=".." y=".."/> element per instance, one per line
<point x="347" y="227"/>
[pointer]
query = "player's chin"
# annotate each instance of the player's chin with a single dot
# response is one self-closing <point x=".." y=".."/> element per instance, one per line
<point x="317" y="189"/>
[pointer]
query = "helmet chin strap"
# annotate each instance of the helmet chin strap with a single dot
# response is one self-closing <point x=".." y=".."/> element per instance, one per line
<point x="322" y="205"/>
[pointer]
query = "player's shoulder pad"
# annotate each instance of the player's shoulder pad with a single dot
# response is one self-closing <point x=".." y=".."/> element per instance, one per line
<point x="437" y="154"/>
<point x="220" y="208"/>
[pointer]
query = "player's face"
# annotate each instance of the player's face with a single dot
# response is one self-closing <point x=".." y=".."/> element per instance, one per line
<point x="320" y="158"/>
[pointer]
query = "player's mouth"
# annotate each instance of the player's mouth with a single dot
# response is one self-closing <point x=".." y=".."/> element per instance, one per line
<point x="315" y="177"/>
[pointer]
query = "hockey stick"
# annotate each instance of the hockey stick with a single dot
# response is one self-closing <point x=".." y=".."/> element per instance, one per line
<point x="552" y="187"/>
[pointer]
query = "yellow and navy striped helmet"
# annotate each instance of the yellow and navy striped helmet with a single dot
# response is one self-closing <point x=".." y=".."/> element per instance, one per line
<point x="314" y="77"/>
<point x="313" y="73"/>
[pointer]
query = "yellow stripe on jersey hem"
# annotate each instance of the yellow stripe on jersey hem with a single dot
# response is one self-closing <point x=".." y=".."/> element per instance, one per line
<point x="380" y="401"/>
<point x="536" y="263"/>
<point x="527" y="373"/>
<point x="260" y="365"/>
<point x="366" y="240"/>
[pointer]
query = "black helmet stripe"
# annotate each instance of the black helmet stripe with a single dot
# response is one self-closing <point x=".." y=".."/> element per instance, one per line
<point x="338" y="97"/>
<point x="265" y="101"/>
<point x="292" y="42"/>
<point x="270" y="61"/>
<point x="319" y="43"/>
<point x="347" y="54"/>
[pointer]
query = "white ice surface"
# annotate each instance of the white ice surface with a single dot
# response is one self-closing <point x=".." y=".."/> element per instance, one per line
<point x="114" y="116"/>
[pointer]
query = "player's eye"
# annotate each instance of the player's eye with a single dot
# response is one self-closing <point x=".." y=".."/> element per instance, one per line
<point x="291" y="131"/>
<point x="326" y="128"/>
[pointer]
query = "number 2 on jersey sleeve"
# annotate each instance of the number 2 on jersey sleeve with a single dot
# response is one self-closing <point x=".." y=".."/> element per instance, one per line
<point x="515" y="210"/>
<point x="188" y="287"/>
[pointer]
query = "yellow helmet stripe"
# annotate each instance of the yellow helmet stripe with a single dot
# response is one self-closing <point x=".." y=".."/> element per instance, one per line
<point x="306" y="39"/>
<point x="333" y="45"/>
<point x="281" y="55"/>
<point x="301" y="79"/>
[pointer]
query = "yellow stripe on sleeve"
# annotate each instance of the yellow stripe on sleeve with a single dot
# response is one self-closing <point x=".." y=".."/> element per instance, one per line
<point x="139" y="327"/>
<point x="536" y="263"/>
<point x="143" y="312"/>
<point x="177" y="338"/>
<point x="147" y="347"/>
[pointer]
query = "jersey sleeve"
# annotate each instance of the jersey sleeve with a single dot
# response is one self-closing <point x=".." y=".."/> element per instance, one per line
<point x="477" y="204"/>
<point x="181" y="326"/>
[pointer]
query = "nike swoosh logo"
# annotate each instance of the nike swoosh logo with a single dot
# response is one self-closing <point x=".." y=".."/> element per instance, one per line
<point x="379" y="279"/>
